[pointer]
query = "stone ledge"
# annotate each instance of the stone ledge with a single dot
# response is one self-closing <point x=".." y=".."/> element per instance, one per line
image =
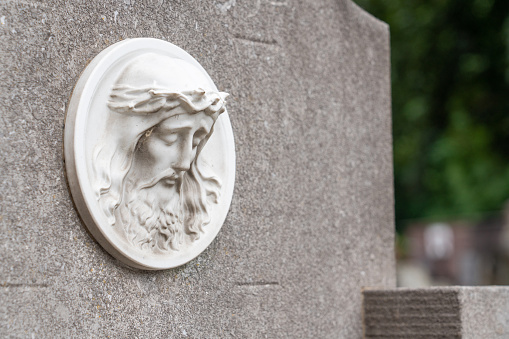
<point x="437" y="312"/>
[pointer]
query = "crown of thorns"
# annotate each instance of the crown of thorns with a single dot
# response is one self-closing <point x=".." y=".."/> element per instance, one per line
<point x="144" y="101"/>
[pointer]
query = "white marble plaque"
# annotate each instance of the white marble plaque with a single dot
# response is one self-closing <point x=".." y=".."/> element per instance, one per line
<point x="149" y="153"/>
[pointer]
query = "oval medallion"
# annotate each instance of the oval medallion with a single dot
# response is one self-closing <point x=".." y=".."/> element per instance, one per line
<point x="149" y="153"/>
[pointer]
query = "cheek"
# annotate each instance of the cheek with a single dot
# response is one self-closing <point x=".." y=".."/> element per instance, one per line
<point x="157" y="154"/>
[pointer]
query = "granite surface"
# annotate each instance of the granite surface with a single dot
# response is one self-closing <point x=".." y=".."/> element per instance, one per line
<point x="437" y="312"/>
<point x="485" y="312"/>
<point x="311" y="220"/>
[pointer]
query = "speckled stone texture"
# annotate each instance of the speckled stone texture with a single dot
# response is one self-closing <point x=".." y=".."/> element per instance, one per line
<point x="311" y="221"/>
<point x="438" y="312"/>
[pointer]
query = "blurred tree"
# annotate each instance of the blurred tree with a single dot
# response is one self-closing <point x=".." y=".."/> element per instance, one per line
<point x="450" y="80"/>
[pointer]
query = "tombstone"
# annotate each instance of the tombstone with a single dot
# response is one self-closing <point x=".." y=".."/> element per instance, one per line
<point x="311" y="218"/>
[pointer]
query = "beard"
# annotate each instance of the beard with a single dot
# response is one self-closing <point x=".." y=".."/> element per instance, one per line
<point x="151" y="216"/>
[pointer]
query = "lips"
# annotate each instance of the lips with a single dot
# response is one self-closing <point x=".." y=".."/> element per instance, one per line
<point x="170" y="180"/>
<point x="168" y="177"/>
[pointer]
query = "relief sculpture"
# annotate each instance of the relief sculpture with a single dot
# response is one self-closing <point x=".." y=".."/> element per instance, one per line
<point x="145" y="173"/>
<point x="148" y="182"/>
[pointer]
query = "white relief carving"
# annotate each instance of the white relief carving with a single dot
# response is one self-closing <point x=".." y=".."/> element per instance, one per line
<point x="148" y="121"/>
<point x="147" y="180"/>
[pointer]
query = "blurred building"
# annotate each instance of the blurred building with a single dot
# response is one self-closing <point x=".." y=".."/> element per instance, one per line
<point x="456" y="253"/>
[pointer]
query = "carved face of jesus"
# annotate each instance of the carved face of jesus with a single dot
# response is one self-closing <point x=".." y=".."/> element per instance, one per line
<point x="151" y="211"/>
<point x="167" y="150"/>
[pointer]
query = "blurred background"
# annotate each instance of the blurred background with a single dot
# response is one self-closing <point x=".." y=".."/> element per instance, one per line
<point x="450" y="82"/>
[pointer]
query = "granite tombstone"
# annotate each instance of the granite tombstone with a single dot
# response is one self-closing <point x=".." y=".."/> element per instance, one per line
<point x="311" y="218"/>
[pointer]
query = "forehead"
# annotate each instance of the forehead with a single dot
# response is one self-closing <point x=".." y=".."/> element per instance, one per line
<point x="187" y="121"/>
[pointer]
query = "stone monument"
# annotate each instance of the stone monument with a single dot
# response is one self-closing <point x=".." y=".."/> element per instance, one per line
<point x="311" y="217"/>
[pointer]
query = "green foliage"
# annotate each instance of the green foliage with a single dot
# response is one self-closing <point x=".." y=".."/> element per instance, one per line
<point x="450" y="79"/>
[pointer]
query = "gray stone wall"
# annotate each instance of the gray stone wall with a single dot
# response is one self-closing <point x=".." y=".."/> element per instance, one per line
<point x="311" y="220"/>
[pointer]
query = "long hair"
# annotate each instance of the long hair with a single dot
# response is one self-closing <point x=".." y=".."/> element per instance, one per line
<point x="113" y="157"/>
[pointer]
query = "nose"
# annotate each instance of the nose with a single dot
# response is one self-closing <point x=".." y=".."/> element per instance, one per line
<point x="184" y="158"/>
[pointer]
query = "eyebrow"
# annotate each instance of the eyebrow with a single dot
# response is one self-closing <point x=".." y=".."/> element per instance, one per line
<point x="202" y="127"/>
<point x="163" y="128"/>
<point x="175" y="129"/>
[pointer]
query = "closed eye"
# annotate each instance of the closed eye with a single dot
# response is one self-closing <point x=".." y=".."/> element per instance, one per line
<point x="169" y="139"/>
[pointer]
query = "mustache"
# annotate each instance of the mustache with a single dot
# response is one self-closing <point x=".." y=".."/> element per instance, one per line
<point x="167" y="174"/>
